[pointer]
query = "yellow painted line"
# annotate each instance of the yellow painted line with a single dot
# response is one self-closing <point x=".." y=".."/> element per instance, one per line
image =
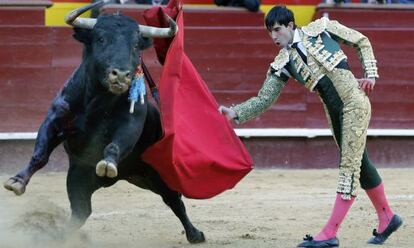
<point x="54" y="16"/>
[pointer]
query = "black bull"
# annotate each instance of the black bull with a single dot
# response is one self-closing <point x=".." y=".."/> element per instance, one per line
<point x="104" y="142"/>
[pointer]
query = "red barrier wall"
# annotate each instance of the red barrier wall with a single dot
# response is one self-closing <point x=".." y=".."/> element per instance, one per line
<point x="231" y="54"/>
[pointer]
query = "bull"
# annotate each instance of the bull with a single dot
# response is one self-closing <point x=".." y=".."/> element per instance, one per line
<point x="91" y="116"/>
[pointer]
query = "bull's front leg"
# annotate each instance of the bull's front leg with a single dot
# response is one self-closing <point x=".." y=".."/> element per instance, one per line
<point x="51" y="133"/>
<point x="128" y="130"/>
<point x="107" y="167"/>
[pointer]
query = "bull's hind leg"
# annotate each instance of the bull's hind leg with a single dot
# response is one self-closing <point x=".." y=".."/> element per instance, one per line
<point x="173" y="200"/>
<point x="81" y="182"/>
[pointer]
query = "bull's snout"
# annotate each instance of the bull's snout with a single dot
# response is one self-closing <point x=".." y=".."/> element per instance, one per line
<point x="119" y="80"/>
<point x="120" y="75"/>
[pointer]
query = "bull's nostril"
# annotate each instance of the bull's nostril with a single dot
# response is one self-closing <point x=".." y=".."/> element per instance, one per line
<point x="120" y="74"/>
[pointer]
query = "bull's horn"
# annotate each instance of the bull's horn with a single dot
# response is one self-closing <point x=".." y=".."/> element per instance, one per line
<point x="153" y="32"/>
<point x="88" y="23"/>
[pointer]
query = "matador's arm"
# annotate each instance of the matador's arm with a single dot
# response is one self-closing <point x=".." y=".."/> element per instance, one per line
<point x="267" y="95"/>
<point x="354" y="38"/>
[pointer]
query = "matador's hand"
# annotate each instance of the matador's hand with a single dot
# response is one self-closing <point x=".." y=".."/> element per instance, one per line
<point x="228" y="112"/>
<point x="366" y="84"/>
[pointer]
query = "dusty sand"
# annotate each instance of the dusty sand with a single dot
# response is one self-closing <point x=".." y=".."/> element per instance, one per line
<point x="269" y="208"/>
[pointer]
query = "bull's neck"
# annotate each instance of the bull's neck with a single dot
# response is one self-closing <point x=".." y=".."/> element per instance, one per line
<point x="97" y="96"/>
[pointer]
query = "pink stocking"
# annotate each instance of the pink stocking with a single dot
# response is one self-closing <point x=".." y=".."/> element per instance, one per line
<point x="379" y="200"/>
<point x="339" y="212"/>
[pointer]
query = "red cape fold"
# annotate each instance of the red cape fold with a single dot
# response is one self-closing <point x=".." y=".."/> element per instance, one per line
<point x="199" y="155"/>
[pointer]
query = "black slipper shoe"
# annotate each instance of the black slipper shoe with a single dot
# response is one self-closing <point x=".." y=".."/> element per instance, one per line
<point x="379" y="238"/>
<point x="310" y="242"/>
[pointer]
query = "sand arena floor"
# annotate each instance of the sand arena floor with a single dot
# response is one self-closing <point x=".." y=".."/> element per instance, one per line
<point x="269" y="208"/>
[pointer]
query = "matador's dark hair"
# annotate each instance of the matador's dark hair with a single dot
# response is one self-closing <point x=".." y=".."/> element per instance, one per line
<point x="279" y="14"/>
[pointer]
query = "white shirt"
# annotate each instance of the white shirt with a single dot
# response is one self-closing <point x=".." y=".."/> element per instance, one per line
<point x="298" y="39"/>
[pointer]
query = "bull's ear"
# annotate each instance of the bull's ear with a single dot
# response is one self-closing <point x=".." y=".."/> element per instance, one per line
<point x="83" y="35"/>
<point x="144" y="43"/>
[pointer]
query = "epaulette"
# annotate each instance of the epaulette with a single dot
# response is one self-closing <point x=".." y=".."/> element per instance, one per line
<point x="316" y="27"/>
<point x="280" y="61"/>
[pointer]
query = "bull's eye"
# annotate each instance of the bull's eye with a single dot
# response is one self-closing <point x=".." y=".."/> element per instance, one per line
<point x="101" y="40"/>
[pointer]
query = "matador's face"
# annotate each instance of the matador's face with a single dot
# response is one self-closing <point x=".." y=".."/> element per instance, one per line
<point x="282" y="35"/>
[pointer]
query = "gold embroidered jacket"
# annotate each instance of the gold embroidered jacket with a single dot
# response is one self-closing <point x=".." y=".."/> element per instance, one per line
<point x="320" y="39"/>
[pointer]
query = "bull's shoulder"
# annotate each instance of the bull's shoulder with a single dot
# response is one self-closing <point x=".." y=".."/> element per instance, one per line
<point x="74" y="90"/>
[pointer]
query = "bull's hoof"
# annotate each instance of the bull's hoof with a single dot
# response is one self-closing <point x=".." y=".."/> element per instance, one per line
<point x="106" y="169"/>
<point x="196" y="237"/>
<point x="15" y="184"/>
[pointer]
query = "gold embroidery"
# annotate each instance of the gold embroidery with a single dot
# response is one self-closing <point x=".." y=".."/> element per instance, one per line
<point x="280" y="61"/>
<point x="316" y="27"/>
<point x="305" y="74"/>
<point x="316" y="71"/>
<point x="325" y="55"/>
<point x="314" y="49"/>
<point x="299" y="65"/>
<point x="327" y="59"/>
<point x="358" y="40"/>
<point x="334" y="61"/>
<point x="268" y="94"/>
<point x="337" y="58"/>
<point x="344" y="34"/>
<point x="356" y="115"/>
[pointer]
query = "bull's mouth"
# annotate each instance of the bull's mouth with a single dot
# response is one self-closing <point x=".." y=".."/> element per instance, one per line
<point x="118" y="81"/>
<point x="118" y="87"/>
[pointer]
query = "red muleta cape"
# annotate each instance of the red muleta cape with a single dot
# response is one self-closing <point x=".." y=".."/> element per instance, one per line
<point x="199" y="155"/>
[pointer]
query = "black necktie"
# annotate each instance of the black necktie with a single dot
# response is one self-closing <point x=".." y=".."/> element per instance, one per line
<point x="302" y="55"/>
